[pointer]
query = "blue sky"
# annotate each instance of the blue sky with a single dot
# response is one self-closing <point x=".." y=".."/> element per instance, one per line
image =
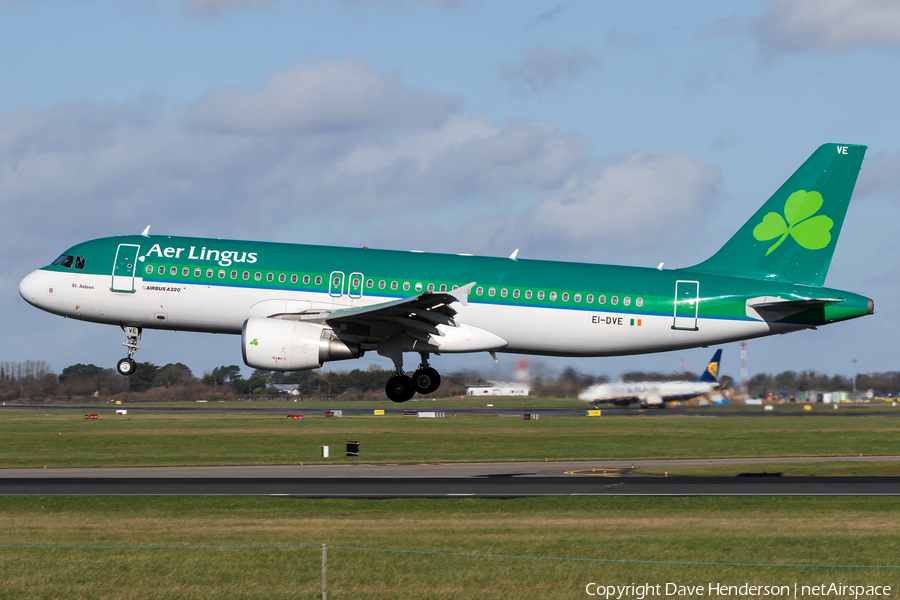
<point x="626" y="133"/>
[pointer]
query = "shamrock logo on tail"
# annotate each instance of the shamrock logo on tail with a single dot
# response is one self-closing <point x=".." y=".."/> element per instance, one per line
<point x="813" y="233"/>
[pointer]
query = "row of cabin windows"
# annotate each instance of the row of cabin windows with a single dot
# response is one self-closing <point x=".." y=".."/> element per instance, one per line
<point x="210" y="274"/>
<point x="382" y="284"/>
<point x="68" y="261"/>
<point x="589" y="299"/>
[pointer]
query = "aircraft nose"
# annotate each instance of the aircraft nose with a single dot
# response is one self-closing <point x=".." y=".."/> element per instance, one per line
<point x="28" y="288"/>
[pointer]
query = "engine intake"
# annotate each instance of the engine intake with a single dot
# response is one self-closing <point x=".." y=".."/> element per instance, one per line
<point x="277" y="345"/>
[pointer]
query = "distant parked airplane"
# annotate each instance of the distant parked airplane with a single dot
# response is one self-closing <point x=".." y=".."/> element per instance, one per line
<point x="655" y="393"/>
<point x="296" y="307"/>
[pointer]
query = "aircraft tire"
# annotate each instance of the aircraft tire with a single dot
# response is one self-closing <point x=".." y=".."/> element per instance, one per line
<point x="426" y="380"/>
<point x="126" y="367"/>
<point x="400" y="388"/>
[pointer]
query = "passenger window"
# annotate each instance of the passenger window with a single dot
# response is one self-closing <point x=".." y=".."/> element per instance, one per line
<point x="503" y="293"/>
<point x="431" y="287"/>
<point x="281" y="278"/>
<point x="565" y="296"/>
<point x="393" y="285"/>
<point x="528" y="294"/>
<point x="258" y="276"/>
<point x="79" y="262"/>
<point x="515" y="293"/>
<point x="149" y="269"/>
<point x="270" y="277"/>
<point x="221" y="273"/>
<point x="405" y="286"/>
<point x="185" y="272"/>
<point x="173" y="271"/>
<point x="293" y="279"/>
<point x="381" y="284"/>
<point x="589" y="299"/>
<point x="197" y="272"/>
<point x="443" y="287"/>
<point x="418" y="287"/>
<point x="209" y="273"/>
<point x="491" y="292"/>
<point x="639" y="302"/>
<point x="479" y="291"/>
<point x="234" y="274"/>
<point x="162" y="270"/>
<point x="336" y="282"/>
<point x="602" y="299"/>
<point x="615" y="300"/>
<point x="306" y="279"/>
<point x="67" y="262"/>
<point x="318" y="280"/>
<point x="455" y="287"/>
<point x="577" y="297"/>
<point x="626" y="300"/>
<point x="370" y="283"/>
<point x="553" y="295"/>
<point x="540" y="295"/>
<point x="246" y="275"/>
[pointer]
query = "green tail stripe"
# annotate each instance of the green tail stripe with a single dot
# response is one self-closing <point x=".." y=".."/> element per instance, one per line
<point x="792" y="237"/>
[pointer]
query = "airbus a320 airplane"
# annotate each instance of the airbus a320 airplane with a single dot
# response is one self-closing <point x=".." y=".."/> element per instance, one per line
<point x="296" y="307"/>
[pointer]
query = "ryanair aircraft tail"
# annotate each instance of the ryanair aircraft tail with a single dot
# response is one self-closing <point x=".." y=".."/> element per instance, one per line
<point x="792" y="237"/>
<point x="711" y="374"/>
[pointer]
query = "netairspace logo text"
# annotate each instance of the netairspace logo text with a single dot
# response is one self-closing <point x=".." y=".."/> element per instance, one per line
<point x="650" y="590"/>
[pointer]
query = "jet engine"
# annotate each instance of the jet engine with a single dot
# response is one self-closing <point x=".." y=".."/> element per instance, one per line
<point x="278" y="345"/>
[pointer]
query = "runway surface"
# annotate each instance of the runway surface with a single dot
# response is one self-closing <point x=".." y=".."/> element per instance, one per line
<point x="455" y="487"/>
<point x="485" y="480"/>
<point x="407" y="471"/>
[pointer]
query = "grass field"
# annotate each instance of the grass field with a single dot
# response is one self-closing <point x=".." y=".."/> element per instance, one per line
<point x="806" y="531"/>
<point x="66" y="439"/>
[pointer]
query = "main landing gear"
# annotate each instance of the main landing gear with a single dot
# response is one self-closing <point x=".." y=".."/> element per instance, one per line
<point x="127" y="366"/>
<point x="401" y="387"/>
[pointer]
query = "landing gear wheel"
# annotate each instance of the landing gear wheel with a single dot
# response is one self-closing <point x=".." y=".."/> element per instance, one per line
<point x="126" y="367"/>
<point x="426" y="380"/>
<point x="400" y="388"/>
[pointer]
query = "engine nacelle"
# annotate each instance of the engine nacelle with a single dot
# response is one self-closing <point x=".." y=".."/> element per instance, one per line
<point x="278" y="345"/>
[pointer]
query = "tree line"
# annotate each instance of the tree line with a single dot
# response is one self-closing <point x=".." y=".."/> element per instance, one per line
<point x="35" y="380"/>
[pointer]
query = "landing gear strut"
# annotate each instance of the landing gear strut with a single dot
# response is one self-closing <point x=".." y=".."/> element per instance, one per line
<point x="127" y="366"/>
<point x="401" y="387"/>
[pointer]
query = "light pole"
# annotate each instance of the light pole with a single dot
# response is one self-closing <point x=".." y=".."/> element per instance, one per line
<point x="854" y="361"/>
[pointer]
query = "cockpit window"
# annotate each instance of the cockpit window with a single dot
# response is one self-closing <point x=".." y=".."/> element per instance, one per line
<point x="67" y="262"/>
<point x="58" y="260"/>
<point x="79" y="262"/>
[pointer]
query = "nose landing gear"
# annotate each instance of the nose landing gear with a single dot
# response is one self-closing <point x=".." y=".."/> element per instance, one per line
<point x="127" y="366"/>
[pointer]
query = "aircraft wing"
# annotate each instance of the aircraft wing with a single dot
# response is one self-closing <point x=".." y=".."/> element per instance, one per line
<point x="425" y="321"/>
<point x="435" y="303"/>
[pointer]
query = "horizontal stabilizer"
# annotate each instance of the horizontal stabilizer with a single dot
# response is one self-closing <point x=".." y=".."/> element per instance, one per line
<point x="793" y="305"/>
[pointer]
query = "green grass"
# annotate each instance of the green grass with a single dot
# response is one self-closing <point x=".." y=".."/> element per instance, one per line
<point x="806" y="531"/>
<point x="163" y="439"/>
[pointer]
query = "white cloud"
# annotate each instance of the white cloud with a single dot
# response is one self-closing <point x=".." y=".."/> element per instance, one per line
<point x="324" y="96"/>
<point x="830" y="24"/>
<point x="282" y="163"/>
<point x="542" y="68"/>
<point x="630" y="200"/>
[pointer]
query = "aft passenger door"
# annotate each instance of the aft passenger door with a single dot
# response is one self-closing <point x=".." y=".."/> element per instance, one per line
<point x="123" y="268"/>
<point x="687" y="305"/>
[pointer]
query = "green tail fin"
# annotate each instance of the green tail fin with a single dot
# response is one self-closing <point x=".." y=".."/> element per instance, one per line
<point x="792" y="237"/>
